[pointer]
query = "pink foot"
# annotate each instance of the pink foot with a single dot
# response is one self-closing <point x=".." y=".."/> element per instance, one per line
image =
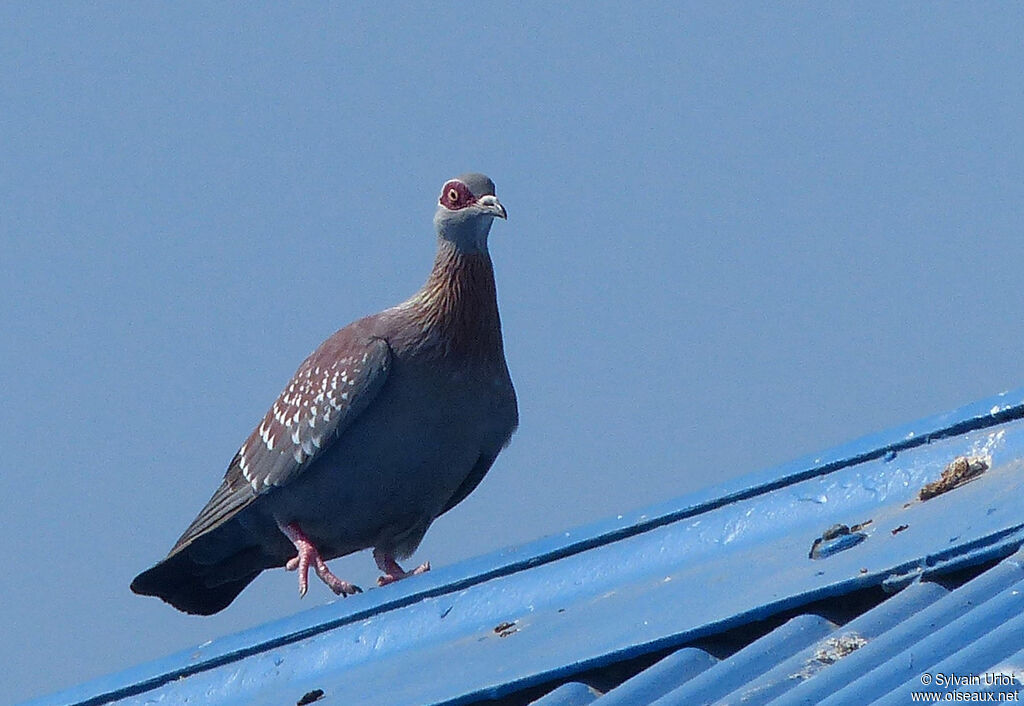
<point x="307" y="555"/>
<point x="392" y="571"/>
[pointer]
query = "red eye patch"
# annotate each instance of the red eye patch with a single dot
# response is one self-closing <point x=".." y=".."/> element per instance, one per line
<point x="456" y="195"/>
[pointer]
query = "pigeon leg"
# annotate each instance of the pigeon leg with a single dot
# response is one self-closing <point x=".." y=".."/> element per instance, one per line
<point x="309" y="555"/>
<point x="392" y="571"/>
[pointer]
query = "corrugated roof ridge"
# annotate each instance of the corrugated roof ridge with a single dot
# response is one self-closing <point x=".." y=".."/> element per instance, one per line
<point x="986" y="413"/>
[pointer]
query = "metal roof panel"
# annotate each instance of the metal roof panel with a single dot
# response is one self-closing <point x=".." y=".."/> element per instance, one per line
<point x="713" y="564"/>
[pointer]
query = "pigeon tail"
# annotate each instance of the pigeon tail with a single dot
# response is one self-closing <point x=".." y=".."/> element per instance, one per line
<point x="195" y="588"/>
<point x="203" y="575"/>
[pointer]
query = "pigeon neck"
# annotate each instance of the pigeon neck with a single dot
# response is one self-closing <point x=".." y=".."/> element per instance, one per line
<point x="463" y="229"/>
<point x="458" y="306"/>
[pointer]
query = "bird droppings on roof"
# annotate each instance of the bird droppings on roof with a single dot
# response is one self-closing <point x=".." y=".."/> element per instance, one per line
<point x="959" y="471"/>
<point x="831" y="650"/>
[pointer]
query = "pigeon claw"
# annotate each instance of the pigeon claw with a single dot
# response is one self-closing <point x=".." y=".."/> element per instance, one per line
<point x="392" y="571"/>
<point x="307" y="556"/>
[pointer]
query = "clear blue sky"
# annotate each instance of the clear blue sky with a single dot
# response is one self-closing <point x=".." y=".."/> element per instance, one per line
<point x="736" y="236"/>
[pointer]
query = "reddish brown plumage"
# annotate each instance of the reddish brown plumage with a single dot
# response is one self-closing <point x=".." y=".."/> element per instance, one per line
<point x="457" y="309"/>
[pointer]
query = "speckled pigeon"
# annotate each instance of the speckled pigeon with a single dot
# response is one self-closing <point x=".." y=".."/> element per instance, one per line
<point x="391" y="422"/>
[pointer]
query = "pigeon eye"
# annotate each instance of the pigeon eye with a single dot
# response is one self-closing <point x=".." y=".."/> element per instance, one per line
<point x="453" y="195"/>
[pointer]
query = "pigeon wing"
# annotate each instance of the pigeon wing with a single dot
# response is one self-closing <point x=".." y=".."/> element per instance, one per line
<point x="328" y="391"/>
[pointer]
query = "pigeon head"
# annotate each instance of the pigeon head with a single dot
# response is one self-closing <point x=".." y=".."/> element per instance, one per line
<point x="465" y="210"/>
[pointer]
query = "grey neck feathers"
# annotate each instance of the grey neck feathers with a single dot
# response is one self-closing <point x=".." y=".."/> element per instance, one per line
<point x="465" y="230"/>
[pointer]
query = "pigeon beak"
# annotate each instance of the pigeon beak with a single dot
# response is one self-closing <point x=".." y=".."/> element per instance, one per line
<point x="491" y="205"/>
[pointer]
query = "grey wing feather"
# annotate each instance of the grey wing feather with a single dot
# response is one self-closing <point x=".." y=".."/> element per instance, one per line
<point x="330" y="389"/>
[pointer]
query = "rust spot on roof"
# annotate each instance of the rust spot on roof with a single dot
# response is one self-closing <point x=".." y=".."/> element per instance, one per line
<point x="505" y="629"/>
<point x="960" y="470"/>
<point x="837" y="538"/>
<point x="310" y="696"/>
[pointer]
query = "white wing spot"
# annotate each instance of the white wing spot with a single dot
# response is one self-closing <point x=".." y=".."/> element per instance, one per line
<point x="270" y="443"/>
<point x="298" y="455"/>
<point x="295" y="436"/>
<point x="243" y="465"/>
<point x="344" y="395"/>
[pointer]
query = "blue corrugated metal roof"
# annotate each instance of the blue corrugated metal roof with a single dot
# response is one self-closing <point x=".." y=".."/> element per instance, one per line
<point x="827" y="580"/>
